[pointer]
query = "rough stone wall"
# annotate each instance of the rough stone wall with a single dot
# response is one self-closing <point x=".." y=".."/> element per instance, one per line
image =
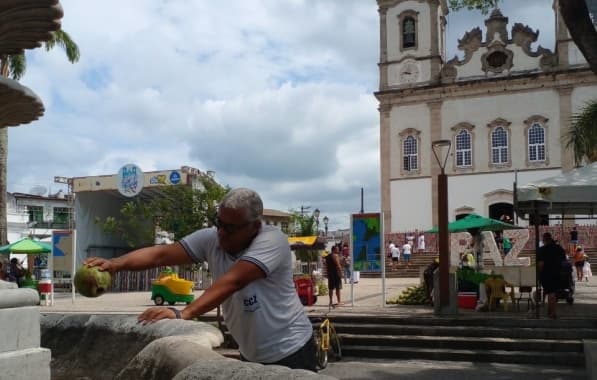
<point x="117" y="347"/>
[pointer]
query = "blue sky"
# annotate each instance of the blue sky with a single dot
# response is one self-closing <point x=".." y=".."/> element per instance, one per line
<point x="276" y="95"/>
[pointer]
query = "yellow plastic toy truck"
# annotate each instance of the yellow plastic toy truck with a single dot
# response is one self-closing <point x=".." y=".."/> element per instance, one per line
<point x="172" y="289"/>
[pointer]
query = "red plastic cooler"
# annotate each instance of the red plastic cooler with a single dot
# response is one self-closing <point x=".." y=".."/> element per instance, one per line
<point x="304" y="288"/>
<point x="45" y="292"/>
<point x="44" y="286"/>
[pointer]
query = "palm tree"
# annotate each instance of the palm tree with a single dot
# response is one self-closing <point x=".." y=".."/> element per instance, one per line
<point x="582" y="135"/>
<point x="14" y="66"/>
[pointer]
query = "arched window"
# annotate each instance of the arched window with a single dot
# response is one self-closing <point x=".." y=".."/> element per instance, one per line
<point x="499" y="146"/>
<point x="536" y="143"/>
<point x="464" y="151"/>
<point x="409" y="39"/>
<point x="410" y="154"/>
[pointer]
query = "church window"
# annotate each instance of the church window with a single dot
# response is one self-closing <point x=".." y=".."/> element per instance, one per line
<point x="497" y="59"/>
<point x="410" y="154"/>
<point x="464" y="151"/>
<point x="536" y="135"/>
<point x="499" y="146"/>
<point x="536" y="145"/>
<point x="408" y="32"/>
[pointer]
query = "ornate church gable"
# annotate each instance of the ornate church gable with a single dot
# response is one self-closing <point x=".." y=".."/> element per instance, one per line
<point x="498" y="56"/>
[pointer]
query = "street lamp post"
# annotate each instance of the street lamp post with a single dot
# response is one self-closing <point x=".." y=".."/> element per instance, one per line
<point x="325" y="223"/>
<point x="316" y="216"/>
<point x="442" y="212"/>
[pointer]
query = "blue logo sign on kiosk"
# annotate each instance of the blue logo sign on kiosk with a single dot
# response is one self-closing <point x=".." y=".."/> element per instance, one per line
<point x="174" y="177"/>
<point x="130" y="180"/>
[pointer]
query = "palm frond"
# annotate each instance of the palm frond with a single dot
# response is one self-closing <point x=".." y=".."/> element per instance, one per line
<point x="17" y="65"/>
<point x="63" y="39"/>
<point x="582" y="134"/>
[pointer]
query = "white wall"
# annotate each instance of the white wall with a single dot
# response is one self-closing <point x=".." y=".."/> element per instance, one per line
<point x="411" y="204"/>
<point x="401" y="118"/>
<point x="575" y="57"/>
<point x="514" y="108"/>
<point x="581" y="95"/>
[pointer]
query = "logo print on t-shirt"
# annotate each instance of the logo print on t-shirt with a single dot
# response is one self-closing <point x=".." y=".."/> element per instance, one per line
<point x="251" y="304"/>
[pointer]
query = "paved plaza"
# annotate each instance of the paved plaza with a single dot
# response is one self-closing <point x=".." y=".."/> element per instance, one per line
<point x="364" y="297"/>
<point x="367" y="295"/>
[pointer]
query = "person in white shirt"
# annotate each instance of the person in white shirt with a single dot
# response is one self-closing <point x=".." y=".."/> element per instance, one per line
<point x="421" y="243"/>
<point x="406" y="251"/>
<point x="395" y="253"/>
<point x="252" y="271"/>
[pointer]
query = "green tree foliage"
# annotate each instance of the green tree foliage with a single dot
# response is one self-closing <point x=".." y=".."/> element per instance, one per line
<point x="482" y="5"/>
<point x="302" y="224"/>
<point x="178" y="210"/>
<point x="582" y="135"/>
<point x="15" y="65"/>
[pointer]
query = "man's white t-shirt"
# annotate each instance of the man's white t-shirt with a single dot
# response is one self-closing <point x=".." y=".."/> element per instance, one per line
<point x="406" y="249"/>
<point x="266" y="317"/>
<point x="395" y="251"/>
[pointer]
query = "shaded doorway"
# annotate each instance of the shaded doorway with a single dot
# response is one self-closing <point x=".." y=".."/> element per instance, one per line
<point x="501" y="211"/>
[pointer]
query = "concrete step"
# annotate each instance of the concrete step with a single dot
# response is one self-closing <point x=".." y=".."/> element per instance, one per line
<point x="477" y="339"/>
<point x="572" y="359"/>
<point x="467" y="331"/>
<point x="463" y="343"/>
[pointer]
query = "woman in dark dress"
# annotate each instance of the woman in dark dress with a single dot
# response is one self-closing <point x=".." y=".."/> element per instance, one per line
<point x="549" y="262"/>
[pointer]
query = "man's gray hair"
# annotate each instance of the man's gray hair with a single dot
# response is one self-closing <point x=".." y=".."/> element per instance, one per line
<point x="244" y="199"/>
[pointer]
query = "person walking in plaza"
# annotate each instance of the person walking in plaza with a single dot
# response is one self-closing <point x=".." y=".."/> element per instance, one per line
<point x="421" y="243"/>
<point x="346" y="263"/>
<point x="334" y="269"/>
<point x="574" y="236"/>
<point x="251" y="265"/>
<point x="406" y="251"/>
<point x="506" y="245"/>
<point x="549" y="264"/>
<point x="16" y="272"/>
<point x="395" y="254"/>
<point x="579" y="262"/>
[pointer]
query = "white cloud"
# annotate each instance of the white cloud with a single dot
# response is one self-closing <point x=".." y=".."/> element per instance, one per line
<point x="274" y="95"/>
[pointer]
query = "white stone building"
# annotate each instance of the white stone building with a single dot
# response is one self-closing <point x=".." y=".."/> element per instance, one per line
<point x="505" y="107"/>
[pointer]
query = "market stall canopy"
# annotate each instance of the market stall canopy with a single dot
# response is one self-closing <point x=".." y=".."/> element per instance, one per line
<point x="26" y="246"/>
<point x="571" y="193"/>
<point x="306" y="242"/>
<point x="474" y="222"/>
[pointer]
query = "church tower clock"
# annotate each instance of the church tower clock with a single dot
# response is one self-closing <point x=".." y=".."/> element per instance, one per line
<point x="412" y="40"/>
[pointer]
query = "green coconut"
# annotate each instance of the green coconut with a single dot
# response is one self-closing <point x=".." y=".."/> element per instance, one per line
<point x="91" y="282"/>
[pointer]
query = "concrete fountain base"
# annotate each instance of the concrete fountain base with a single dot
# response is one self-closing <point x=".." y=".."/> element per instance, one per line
<point x="117" y="347"/>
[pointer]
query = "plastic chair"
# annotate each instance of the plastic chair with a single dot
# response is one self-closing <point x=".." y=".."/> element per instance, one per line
<point x="496" y="287"/>
<point x="522" y="291"/>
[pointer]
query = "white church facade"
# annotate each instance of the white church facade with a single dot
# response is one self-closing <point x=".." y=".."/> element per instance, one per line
<point x="505" y="106"/>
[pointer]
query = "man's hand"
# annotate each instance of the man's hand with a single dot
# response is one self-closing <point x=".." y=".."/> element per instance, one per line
<point x="154" y="314"/>
<point x="101" y="263"/>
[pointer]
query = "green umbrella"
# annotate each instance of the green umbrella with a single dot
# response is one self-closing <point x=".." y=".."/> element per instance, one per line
<point x="474" y="223"/>
<point x="28" y="246"/>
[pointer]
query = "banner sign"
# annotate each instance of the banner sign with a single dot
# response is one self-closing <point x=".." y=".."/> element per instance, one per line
<point x="367" y="242"/>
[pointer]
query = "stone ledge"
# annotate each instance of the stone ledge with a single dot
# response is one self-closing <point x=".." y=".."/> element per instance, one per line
<point x="21" y="297"/>
<point x="32" y="363"/>
<point x="20" y="328"/>
<point x="224" y="369"/>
